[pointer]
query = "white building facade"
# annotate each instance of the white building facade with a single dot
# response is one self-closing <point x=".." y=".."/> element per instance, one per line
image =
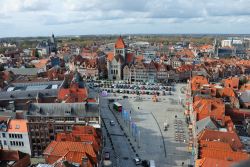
<point x="14" y="136"/>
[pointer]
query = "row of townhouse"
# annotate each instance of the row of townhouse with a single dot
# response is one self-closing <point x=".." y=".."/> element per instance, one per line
<point x="148" y="72"/>
<point x="214" y="117"/>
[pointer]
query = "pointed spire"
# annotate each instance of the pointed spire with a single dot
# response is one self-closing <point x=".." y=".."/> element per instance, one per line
<point x="120" y="43"/>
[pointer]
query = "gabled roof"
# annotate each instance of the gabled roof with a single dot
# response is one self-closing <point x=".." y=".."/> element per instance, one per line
<point x="160" y="66"/>
<point x="213" y="107"/>
<point x="206" y="123"/>
<point x="120" y="43"/>
<point x="226" y="137"/>
<point x="226" y="92"/>
<point x="232" y="82"/>
<point x="61" y="149"/>
<point x="150" y="65"/>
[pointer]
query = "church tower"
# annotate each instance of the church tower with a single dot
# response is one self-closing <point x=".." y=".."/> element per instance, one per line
<point x="120" y="48"/>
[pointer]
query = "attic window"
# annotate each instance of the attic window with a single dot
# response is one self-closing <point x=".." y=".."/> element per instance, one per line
<point x="17" y="126"/>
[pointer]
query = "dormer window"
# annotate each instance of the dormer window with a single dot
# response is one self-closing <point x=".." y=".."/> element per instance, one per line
<point x="17" y="126"/>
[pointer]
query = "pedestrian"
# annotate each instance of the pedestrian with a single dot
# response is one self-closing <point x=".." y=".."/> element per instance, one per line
<point x="130" y="111"/>
<point x="182" y="164"/>
<point x="138" y="108"/>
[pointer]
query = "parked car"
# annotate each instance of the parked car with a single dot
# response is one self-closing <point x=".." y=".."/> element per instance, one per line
<point x="112" y="123"/>
<point x="137" y="161"/>
<point x="145" y="163"/>
<point x="106" y="155"/>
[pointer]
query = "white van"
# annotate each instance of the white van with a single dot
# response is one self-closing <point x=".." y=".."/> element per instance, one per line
<point x="151" y="163"/>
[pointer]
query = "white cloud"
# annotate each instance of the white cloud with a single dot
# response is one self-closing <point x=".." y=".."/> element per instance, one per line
<point x="65" y="14"/>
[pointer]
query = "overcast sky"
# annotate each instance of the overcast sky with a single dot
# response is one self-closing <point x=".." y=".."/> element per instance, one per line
<point x="80" y="17"/>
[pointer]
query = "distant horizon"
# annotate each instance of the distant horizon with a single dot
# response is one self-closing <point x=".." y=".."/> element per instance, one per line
<point x="138" y="34"/>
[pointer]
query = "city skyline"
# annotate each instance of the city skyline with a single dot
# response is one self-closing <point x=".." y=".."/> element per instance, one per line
<point x="71" y="17"/>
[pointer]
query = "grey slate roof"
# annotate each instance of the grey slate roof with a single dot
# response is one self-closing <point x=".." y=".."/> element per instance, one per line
<point x="206" y="123"/>
<point x="24" y="71"/>
<point x="27" y="94"/>
<point x="245" y="96"/>
<point x="37" y="83"/>
<point x="61" y="109"/>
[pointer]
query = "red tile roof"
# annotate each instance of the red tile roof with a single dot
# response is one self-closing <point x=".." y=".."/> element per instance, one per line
<point x="213" y="107"/>
<point x="215" y="145"/>
<point x="226" y="137"/>
<point x="205" y="47"/>
<point x="232" y="82"/>
<point x="130" y="57"/>
<point x="226" y="92"/>
<point x="222" y="154"/>
<point x="42" y="63"/>
<point x="120" y="43"/>
<point x="210" y="162"/>
<point x="110" y="56"/>
<point x="185" y="68"/>
<point x="77" y="129"/>
<point x="18" y="126"/>
<point x="79" y="138"/>
<point x="76" y="157"/>
<point x="185" y="53"/>
<point x="73" y="95"/>
<point x="197" y="82"/>
<point x="56" y="150"/>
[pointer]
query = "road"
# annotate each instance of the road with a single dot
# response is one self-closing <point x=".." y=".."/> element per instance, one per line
<point x="122" y="155"/>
